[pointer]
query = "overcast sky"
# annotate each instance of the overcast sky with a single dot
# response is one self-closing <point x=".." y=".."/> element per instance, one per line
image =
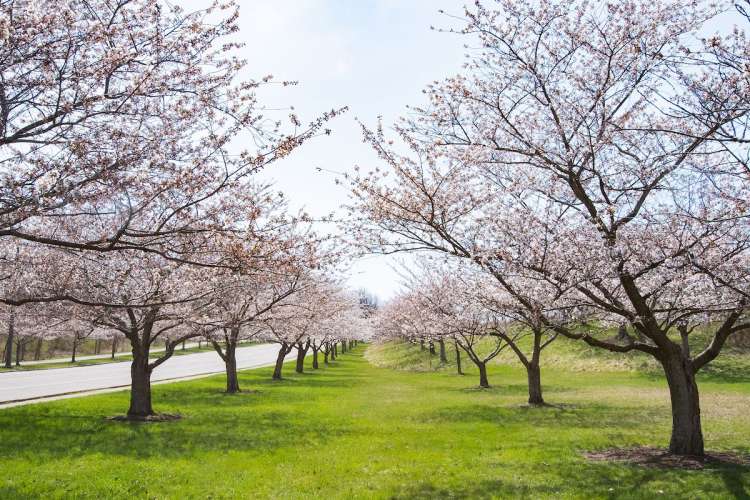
<point x="374" y="56"/>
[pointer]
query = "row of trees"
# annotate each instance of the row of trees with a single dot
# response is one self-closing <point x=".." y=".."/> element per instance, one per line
<point x="461" y="306"/>
<point x="35" y="344"/>
<point x="588" y="164"/>
<point x="129" y="205"/>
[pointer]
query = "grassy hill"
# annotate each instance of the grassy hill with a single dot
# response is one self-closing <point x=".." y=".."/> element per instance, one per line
<point x="733" y="365"/>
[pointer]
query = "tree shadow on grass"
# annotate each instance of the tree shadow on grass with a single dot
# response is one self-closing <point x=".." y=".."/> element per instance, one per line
<point x="735" y="480"/>
<point x="213" y="421"/>
<point x="591" y="416"/>
<point x="511" y="389"/>
<point x="601" y="480"/>
<point x="311" y="379"/>
<point x="469" y="490"/>
<point x="244" y="429"/>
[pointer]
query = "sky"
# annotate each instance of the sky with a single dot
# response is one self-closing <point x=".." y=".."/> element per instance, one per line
<point x="374" y="56"/>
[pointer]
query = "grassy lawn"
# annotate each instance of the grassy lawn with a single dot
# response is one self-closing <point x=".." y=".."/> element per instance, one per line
<point x="356" y="430"/>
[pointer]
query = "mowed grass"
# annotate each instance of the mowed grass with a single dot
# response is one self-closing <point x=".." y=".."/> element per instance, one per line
<point x="356" y="430"/>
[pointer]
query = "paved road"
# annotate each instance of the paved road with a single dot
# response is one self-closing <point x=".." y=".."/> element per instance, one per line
<point x="29" y="385"/>
<point x="99" y="356"/>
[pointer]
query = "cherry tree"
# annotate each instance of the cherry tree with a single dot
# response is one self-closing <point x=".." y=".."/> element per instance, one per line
<point x="237" y="311"/>
<point x="450" y="309"/>
<point x="290" y="325"/>
<point x="20" y="332"/>
<point x="275" y="252"/>
<point x="314" y="314"/>
<point x="509" y="317"/>
<point x="144" y="297"/>
<point x="37" y="323"/>
<point x="120" y="109"/>
<point x="118" y="118"/>
<point x="606" y="121"/>
<point x="150" y="301"/>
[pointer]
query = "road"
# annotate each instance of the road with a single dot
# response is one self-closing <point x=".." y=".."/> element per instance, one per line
<point x="98" y="356"/>
<point x="43" y="384"/>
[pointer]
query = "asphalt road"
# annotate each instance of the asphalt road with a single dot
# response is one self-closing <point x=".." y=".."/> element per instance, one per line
<point x="37" y="384"/>
<point x="99" y="356"/>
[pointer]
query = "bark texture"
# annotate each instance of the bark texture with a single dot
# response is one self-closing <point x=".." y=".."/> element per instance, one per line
<point x="230" y="362"/>
<point x="140" y="385"/>
<point x="458" y="360"/>
<point x="687" y="433"/>
<point x="302" y="348"/>
<point x="38" y="350"/>
<point x="483" y="381"/>
<point x="283" y="351"/>
<point x="8" y="361"/>
<point x="535" y="384"/>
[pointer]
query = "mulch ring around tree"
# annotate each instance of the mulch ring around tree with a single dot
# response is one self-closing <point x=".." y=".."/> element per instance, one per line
<point x="157" y="417"/>
<point x="660" y="458"/>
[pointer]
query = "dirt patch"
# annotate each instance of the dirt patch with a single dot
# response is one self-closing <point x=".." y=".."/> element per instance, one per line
<point x="158" y="417"/>
<point x="661" y="459"/>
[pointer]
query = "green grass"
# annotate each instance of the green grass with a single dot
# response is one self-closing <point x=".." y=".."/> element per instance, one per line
<point x="356" y="430"/>
<point x="733" y="365"/>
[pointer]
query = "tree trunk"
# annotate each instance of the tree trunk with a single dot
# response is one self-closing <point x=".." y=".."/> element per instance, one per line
<point x="443" y="357"/>
<point x="315" y="359"/>
<point x="9" y="342"/>
<point x="458" y="360"/>
<point x="335" y="351"/>
<point x="75" y="347"/>
<point x="535" y="384"/>
<point x="301" y="352"/>
<point x="483" y="382"/>
<point x="38" y="350"/>
<point x="140" y="385"/>
<point x="325" y="356"/>
<point x="97" y="346"/>
<point x="343" y="347"/>
<point x="687" y="434"/>
<point x="533" y="371"/>
<point x="280" y="362"/>
<point x="114" y="347"/>
<point x="432" y="348"/>
<point x="19" y="352"/>
<point x="421" y="345"/>
<point x="233" y="384"/>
